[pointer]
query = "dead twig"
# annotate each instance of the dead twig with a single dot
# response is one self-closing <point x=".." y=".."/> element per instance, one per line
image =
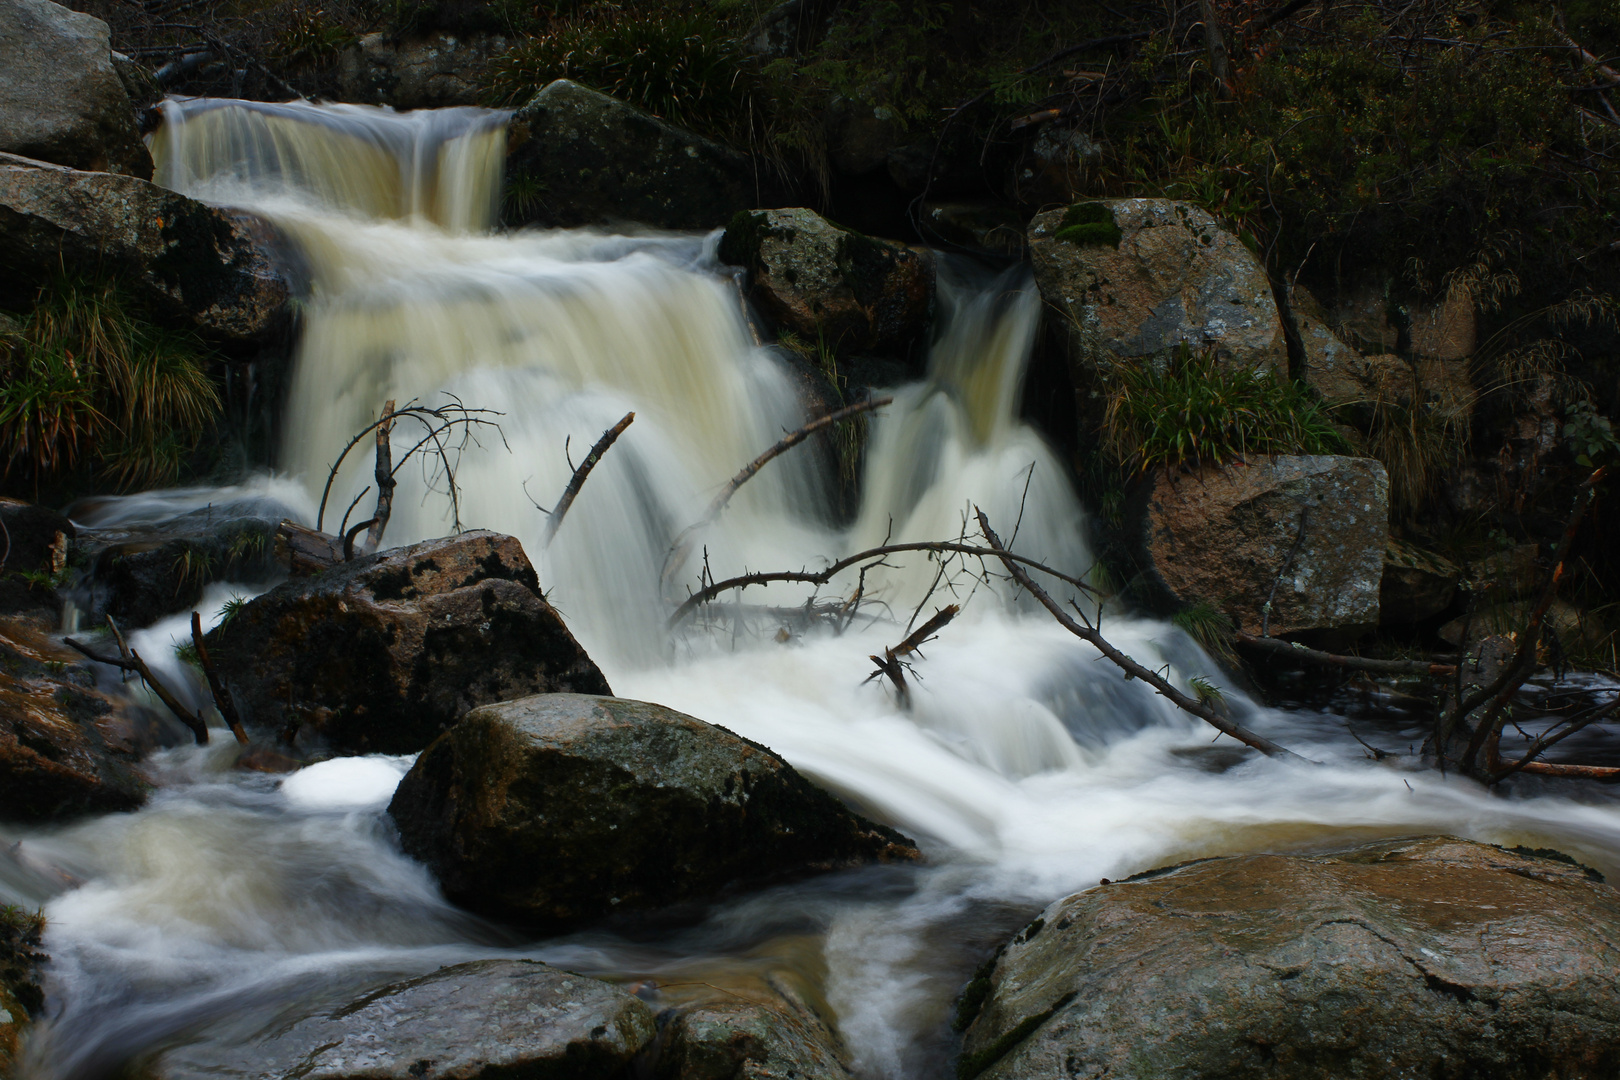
<point x="577" y="481"/>
<point x="1356" y="663"/>
<point x="1204" y="710"/>
<point x="892" y="665"/>
<point x="132" y="662"/>
<point x="384" y="474"/>
<point x="216" y="686"/>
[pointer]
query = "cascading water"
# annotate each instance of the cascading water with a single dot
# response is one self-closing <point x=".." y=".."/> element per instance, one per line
<point x="1025" y="768"/>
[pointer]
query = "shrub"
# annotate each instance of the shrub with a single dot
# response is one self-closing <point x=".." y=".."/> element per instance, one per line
<point x="1187" y="408"/>
<point x="91" y="381"/>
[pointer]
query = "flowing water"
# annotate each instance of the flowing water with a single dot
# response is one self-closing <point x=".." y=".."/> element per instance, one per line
<point x="1025" y="768"/>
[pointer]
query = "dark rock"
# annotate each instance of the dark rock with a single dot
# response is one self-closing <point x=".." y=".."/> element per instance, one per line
<point x="1156" y="274"/>
<point x="22" y="997"/>
<point x="66" y="748"/>
<point x="1428" y="957"/>
<point x="762" y="1032"/>
<point x="34" y="548"/>
<point x="138" y="582"/>
<point x="589" y="159"/>
<point x="434" y="72"/>
<point x="485" y="1020"/>
<point x="830" y="284"/>
<point x="1229" y="537"/>
<point x="383" y="653"/>
<point x="860" y="137"/>
<point x="1417" y="584"/>
<point x="194" y="263"/>
<point x="563" y="808"/>
<point x="979" y="226"/>
<point x="61" y="99"/>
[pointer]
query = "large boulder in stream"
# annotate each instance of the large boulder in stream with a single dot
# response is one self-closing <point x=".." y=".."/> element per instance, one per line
<point x="1301" y="536"/>
<point x="1135" y="278"/>
<point x="563" y="808"/>
<point x="579" y="157"/>
<point x="1428" y="957"/>
<point x="831" y="284"/>
<point x="61" y="99"/>
<point x="382" y="654"/>
<point x="478" y="1021"/>
<point x="195" y="264"/>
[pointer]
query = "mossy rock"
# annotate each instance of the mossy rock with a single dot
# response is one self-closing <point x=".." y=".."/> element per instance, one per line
<point x="1089" y="223"/>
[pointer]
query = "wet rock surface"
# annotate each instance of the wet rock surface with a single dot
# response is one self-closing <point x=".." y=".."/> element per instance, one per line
<point x="61" y="99"/>
<point x="563" y="808"/>
<point x="194" y="263"/>
<point x="1134" y="278"/>
<point x="1304" y="534"/>
<point x="769" y="1032"/>
<point x="582" y="158"/>
<point x="487" y="1019"/>
<point x="66" y="747"/>
<point x="1429" y="957"/>
<point x="383" y="653"/>
<point x="827" y="283"/>
<point x="138" y="581"/>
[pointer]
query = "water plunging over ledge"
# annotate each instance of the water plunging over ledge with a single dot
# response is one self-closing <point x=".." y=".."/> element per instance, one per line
<point x="1025" y="769"/>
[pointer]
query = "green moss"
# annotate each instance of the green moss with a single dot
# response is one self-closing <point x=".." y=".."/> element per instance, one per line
<point x="973" y="1064"/>
<point x="1089" y="223"/>
<point x="975" y="994"/>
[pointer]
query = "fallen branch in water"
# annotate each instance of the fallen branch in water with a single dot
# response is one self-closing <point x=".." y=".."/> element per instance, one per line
<point x="558" y="512"/>
<point x="131" y="661"/>
<point x="216" y="686"/>
<point x="821" y="577"/>
<point x="384" y="474"/>
<point x="892" y="665"/>
<point x="1200" y="707"/>
<point x="1500" y="769"/>
<point x="1357" y="663"/>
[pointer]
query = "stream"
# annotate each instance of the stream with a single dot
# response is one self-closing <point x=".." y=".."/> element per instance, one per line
<point x="1025" y="768"/>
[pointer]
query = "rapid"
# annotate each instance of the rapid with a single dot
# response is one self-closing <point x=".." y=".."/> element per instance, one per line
<point x="1024" y="766"/>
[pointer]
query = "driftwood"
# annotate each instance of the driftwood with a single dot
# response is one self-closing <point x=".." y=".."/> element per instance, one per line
<point x="892" y="663"/>
<point x="384" y="474"/>
<point x="131" y="661"/>
<point x="222" y="698"/>
<point x="555" y="517"/>
<point x="1199" y="707"/>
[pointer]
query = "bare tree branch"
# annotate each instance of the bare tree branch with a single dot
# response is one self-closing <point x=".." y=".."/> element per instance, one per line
<point x="216" y="686"/>
<point x="384" y="474"/>
<point x="560" y="511"/>
<point x="194" y="721"/>
<point x="1356" y="663"/>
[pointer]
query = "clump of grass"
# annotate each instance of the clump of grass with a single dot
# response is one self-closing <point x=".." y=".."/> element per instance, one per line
<point x="91" y="381"/>
<point x="1209" y="626"/>
<point x="310" y="36"/>
<point x="1189" y="409"/>
<point x="1089" y="223"/>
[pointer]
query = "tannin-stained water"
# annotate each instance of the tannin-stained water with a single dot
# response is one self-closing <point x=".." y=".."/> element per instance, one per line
<point x="1026" y="768"/>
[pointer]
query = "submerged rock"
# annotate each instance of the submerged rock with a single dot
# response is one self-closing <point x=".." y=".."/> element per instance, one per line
<point x="478" y="1021"/>
<point x="827" y="283"/>
<point x="66" y="748"/>
<point x="381" y="654"/>
<point x="562" y="808"/>
<point x="61" y="99"/>
<point x="1305" y="535"/>
<point x="1134" y="278"/>
<point x="582" y="158"/>
<point x="1428" y="957"/>
<point x="194" y="263"/>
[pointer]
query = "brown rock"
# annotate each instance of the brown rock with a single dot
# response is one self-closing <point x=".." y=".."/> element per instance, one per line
<point x="192" y="262"/>
<point x="65" y="747"/>
<point x="759" y="1029"/>
<point x="1232" y="538"/>
<point x="383" y="653"/>
<point x="1172" y="277"/>
<point x="827" y="283"/>
<point x="1428" y="957"/>
<point x="562" y="808"/>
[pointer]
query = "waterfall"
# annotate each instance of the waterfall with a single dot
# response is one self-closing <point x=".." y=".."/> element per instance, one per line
<point x="1025" y="767"/>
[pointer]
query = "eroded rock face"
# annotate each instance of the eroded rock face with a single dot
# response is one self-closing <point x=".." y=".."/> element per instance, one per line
<point x="826" y="283"/>
<point x="435" y="72"/>
<point x="1163" y="274"/>
<point x="383" y="653"/>
<point x="563" y="808"/>
<point x="582" y="158"/>
<point x="61" y="99"/>
<point x="66" y="748"/>
<point x="1227" y="536"/>
<point x="195" y="263"/>
<point x="476" y="1021"/>
<point x="1429" y="957"/>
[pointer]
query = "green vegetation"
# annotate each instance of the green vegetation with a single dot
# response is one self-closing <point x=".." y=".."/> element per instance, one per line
<point x="21" y="932"/>
<point x="1089" y="223"/>
<point x="1209" y="626"/>
<point x="91" y="384"/>
<point x="1188" y="409"/>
